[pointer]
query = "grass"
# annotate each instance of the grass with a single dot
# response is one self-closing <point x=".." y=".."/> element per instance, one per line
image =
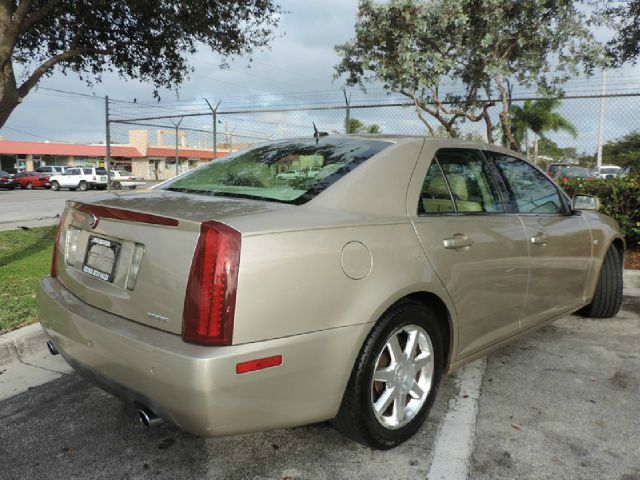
<point x="25" y="257"/>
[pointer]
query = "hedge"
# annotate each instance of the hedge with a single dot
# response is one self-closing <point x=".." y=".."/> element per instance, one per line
<point x="619" y="197"/>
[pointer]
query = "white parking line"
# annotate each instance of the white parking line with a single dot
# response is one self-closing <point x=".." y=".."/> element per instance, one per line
<point x="454" y="444"/>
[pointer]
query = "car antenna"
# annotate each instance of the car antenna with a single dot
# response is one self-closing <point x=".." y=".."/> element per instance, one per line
<point x="316" y="133"/>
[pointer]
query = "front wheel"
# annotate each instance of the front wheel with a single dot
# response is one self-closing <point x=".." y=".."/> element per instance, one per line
<point x="607" y="298"/>
<point x="55" y="186"/>
<point x="395" y="378"/>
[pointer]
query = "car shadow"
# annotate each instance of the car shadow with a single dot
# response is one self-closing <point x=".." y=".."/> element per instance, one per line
<point x="69" y="428"/>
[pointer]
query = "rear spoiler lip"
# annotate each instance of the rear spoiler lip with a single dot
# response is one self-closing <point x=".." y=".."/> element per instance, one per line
<point x="101" y="211"/>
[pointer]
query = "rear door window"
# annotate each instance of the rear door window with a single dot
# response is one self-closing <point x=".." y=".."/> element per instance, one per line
<point x="460" y="181"/>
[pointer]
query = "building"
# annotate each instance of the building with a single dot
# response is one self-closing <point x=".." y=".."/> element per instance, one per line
<point x="149" y="158"/>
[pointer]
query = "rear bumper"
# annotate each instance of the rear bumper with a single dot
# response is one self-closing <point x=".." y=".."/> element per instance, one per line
<point x="196" y="387"/>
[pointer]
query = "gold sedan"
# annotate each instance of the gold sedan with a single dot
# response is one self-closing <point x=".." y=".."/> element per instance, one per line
<point x="315" y="279"/>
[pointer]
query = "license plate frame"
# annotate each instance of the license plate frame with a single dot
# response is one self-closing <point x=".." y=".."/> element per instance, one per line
<point x="93" y="266"/>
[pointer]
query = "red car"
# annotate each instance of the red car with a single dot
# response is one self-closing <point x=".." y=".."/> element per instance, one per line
<point x="32" y="180"/>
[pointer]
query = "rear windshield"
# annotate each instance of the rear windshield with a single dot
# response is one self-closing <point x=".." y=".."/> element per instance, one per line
<point x="292" y="171"/>
<point x="101" y="171"/>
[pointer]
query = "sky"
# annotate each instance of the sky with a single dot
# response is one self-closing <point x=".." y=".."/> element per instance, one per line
<point x="297" y="68"/>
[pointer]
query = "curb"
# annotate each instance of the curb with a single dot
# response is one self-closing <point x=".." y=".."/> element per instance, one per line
<point x="22" y="342"/>
<point x="32" y="339"/>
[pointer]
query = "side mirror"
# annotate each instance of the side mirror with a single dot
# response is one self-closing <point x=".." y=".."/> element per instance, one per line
<point x="585" y="202"/>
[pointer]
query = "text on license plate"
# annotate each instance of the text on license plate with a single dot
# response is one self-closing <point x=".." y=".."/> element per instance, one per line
<point x="101" y="258"/>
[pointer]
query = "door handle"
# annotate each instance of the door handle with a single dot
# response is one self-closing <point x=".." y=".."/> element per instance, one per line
<point x="458" y="241"/>
<point x="539" y="239"/>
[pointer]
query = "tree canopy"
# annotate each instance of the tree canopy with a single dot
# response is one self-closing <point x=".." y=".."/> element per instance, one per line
<point x="150" y="40"/>
<point x="419" y="48"/>
<point x="625" y="46"/>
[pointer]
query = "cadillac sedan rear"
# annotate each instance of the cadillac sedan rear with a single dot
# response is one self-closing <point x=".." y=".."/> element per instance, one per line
<point x="217" y="303"/>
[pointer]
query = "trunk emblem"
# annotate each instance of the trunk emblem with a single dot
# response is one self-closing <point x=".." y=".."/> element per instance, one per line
<point x="94" y="220"/>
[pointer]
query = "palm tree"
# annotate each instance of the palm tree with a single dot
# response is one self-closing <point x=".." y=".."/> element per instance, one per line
<point x="357" y="126"/>
<point x="539" y="117"/>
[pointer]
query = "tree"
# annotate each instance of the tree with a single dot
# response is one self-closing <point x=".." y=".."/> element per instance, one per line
<point x="145" y="39"/>
<point x="357" y="126"/>
<point x="415" y="47"/>
<point x="539" y="117"/>
<point x="623" y="151"/>
<point x="625" y="46"/>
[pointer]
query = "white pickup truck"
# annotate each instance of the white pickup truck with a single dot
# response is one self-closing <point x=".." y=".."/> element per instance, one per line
<point x="82" y="178"/>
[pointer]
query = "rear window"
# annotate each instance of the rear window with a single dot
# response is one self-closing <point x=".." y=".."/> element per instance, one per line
<point x="101" y="171"/>
<point x="292" y="171"/>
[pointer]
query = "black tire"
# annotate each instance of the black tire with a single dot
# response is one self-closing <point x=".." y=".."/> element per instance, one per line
<point x="607" y="298"/>
<point x="356" y="418"/>
<point x="55" y="186"/>
<point x="84" y="186"/>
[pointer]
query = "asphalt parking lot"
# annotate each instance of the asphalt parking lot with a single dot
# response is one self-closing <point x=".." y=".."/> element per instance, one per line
<point x="561" y="402"/>
<point x="29" y="205"/>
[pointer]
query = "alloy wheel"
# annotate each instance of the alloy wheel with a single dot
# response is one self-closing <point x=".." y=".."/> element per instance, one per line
<point x="402" y="376"/>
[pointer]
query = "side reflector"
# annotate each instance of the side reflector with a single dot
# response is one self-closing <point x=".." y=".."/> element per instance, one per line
<point x="259" y="364"/>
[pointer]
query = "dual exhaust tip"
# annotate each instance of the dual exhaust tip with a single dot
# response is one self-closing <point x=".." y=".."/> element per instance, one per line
<point x="147" y="416"/>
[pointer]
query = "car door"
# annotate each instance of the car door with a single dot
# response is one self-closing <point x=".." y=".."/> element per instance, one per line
<point x="559" y="240"/>
<point x="70" y="178"/>
<point x="479" y="251"/>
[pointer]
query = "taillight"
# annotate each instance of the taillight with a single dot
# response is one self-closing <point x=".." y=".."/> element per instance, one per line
<point x="56" y="245"/>
<point x="210" y="300"/>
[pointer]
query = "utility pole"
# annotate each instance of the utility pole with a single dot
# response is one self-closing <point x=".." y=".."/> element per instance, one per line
<point x="108" y="140"/>
<point x="214" y="119"/>
<point x="603" y="89"/>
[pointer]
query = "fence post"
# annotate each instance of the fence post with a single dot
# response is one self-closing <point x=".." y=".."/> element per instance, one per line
<point x="347" y="119"/>
<point x="603" y="89"/>
<point x="107" y="140"/>
<point x="214" y="119"/>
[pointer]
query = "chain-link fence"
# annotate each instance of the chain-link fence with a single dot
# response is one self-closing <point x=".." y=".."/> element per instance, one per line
<point x="156" y="142"/>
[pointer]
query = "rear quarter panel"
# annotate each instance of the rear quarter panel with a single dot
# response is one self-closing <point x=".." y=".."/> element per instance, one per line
<point x="292" y="283"/>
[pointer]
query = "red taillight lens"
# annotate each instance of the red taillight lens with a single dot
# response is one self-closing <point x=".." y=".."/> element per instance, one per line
<point x="210" y="300"/>
<point x="54" y="258"/>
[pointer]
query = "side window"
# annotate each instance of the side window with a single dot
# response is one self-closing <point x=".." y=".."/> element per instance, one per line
<point x="435" y="196"/>
<point x="465" y="174"/>
<point x="532" y="191"/>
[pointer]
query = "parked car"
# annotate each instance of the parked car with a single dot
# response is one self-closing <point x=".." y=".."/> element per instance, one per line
<point x="52" y="169"/>
<point x="573" y="172"/>
<point x="226" y="307"/>
<point x="606" y="171"/>
<point x="123" y="179"/>
<point x="7" y="181"/>
<point x="82" y="178"/>
<point x="631" y="168"/>
<point x="31" y="180"/>
<point x="552" y="168"/>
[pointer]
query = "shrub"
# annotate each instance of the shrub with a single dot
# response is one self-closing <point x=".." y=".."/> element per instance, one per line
<point x="620" y="199"/>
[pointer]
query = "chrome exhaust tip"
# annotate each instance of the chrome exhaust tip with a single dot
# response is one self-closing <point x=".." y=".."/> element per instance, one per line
<point x="148" y="417"/>
<point x="52" y="348"/>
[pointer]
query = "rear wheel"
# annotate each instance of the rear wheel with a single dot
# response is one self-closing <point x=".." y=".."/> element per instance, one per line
<point x="55" y="186"/>
<point x="607" y="298"/>
<point x="29" y="186"/>
<point x="84" y="186"/>
<point x="395" y="379"/>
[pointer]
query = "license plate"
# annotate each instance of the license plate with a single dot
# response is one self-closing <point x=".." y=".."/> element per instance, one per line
<point x="103" y="179"/>
<point x="101" y="258"/>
